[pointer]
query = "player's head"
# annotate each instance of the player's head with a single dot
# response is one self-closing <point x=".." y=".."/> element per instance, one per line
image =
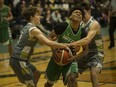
<point x="87" y="9"/>
<point x="76" y="13"/>
<point x="86" y="5"/>
<point x="31" y="15"/>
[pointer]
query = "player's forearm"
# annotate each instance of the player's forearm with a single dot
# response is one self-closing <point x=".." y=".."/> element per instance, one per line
<point x="83" y="41"/>
<point x="9" y="18"/>
<point x="56" y="44"/>
<point x="81" y="55"/>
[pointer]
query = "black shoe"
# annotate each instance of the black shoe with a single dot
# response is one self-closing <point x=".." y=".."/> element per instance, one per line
<point x="111" y="46"/>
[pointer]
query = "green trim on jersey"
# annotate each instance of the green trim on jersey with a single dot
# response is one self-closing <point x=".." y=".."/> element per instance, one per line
<point x="4" y="13"/>
<point x="68" y="35"/>
<point x="5" y="34"/>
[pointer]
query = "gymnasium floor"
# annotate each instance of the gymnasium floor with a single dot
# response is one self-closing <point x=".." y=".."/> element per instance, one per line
<point x="41" y="57"/>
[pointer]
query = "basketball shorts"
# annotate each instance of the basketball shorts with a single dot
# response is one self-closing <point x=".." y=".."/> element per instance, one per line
<point x="92" y="59"/>
<point x="23" y="70"/>
<point x="5" y="36"/>
<point x="54" y="71"/>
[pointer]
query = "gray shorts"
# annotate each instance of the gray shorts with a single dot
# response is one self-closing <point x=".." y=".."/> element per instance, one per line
<point x="24" y="71"/>
<point x="92" y="59"/>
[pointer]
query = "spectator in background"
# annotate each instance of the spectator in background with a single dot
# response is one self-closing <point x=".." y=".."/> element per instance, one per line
<point x="19" y="21"/>
<point x="47" y="20"/>
<point x="5" y="34"/>
<point x="10" y="3"/>
<point x="56" y="17"/>
<point x="112" y="22"/>
<point x="19" y="9"/>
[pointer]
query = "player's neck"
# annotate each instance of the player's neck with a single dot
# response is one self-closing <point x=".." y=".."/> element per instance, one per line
<point x="75" y="25"/>
<point x="87" y="19"/>
<point x="32" y="22"/>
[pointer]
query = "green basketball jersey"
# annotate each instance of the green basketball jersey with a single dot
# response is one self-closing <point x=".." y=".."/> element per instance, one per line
<point x="4" y="13"/>
<point x="5" y="34"/>
<point x="69" y="36"/>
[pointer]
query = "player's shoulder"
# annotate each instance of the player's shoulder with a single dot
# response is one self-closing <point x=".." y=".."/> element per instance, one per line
<point x="60" y="27"/>
<point x="95" y="23"/>
<point x="62" y="24"/>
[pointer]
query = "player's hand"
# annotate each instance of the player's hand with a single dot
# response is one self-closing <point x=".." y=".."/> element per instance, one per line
<point x="70" y="52"/>
<point x="73" y="44"/>
<point x="72" y="58"/>
<point x="68" y="49"/>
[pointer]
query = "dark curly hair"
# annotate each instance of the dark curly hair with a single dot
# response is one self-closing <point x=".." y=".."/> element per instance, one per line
<point x="77" y="7"/>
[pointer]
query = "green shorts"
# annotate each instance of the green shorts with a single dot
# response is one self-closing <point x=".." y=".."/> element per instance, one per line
<point x="54" y="71"/>
<point x="5" y="36"/>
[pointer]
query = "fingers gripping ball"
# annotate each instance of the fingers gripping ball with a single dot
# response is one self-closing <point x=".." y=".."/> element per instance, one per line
<point x="78" y="49"/>
<point x="61" y="57"/>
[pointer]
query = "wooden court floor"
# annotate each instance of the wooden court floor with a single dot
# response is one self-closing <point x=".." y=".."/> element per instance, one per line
<point x="40" y="59"/>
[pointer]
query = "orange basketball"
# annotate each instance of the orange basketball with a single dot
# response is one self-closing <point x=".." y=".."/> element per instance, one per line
<point x="61" y="57"/>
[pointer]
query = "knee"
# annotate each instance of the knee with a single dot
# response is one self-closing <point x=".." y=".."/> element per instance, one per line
<point x="94" y="72"/>
<point x="72" y="78"/>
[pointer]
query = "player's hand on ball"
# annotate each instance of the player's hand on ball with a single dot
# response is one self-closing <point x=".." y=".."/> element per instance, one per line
<point x="69" y="51"/>
<point x="61" y="56"/>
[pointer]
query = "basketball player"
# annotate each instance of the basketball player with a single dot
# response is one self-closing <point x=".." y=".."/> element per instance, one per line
<point x="94" y="59"/>
<point x="65" y="33"/>
<point x="5" y="34"/>
<point x="30" y="36"/>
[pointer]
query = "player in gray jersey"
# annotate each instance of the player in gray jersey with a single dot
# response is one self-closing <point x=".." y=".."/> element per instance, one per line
<point x="94" y="59"/>
<point x="30" y="36"/>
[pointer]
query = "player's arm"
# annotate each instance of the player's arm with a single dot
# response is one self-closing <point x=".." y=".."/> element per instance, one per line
<point x="94" y="29"/>
<point x="10" y="16"/>
<point x="81" y="53"/>
<point x="41" y="38"/>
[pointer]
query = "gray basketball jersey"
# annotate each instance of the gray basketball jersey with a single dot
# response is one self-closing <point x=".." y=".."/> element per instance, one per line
<point x="25" y="46"/>
<point x="96" y="45"/>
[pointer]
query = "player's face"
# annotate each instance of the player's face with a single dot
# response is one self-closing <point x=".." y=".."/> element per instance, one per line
<point x="87" y="13"/>
<point x="76" y="15"/>
<point x="37" y="18"/>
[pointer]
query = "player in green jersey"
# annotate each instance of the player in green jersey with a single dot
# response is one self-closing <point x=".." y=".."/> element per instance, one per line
<point x="5" y="34"/>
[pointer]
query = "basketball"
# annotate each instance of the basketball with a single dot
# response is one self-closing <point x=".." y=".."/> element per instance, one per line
<point x="61" y="57"/>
